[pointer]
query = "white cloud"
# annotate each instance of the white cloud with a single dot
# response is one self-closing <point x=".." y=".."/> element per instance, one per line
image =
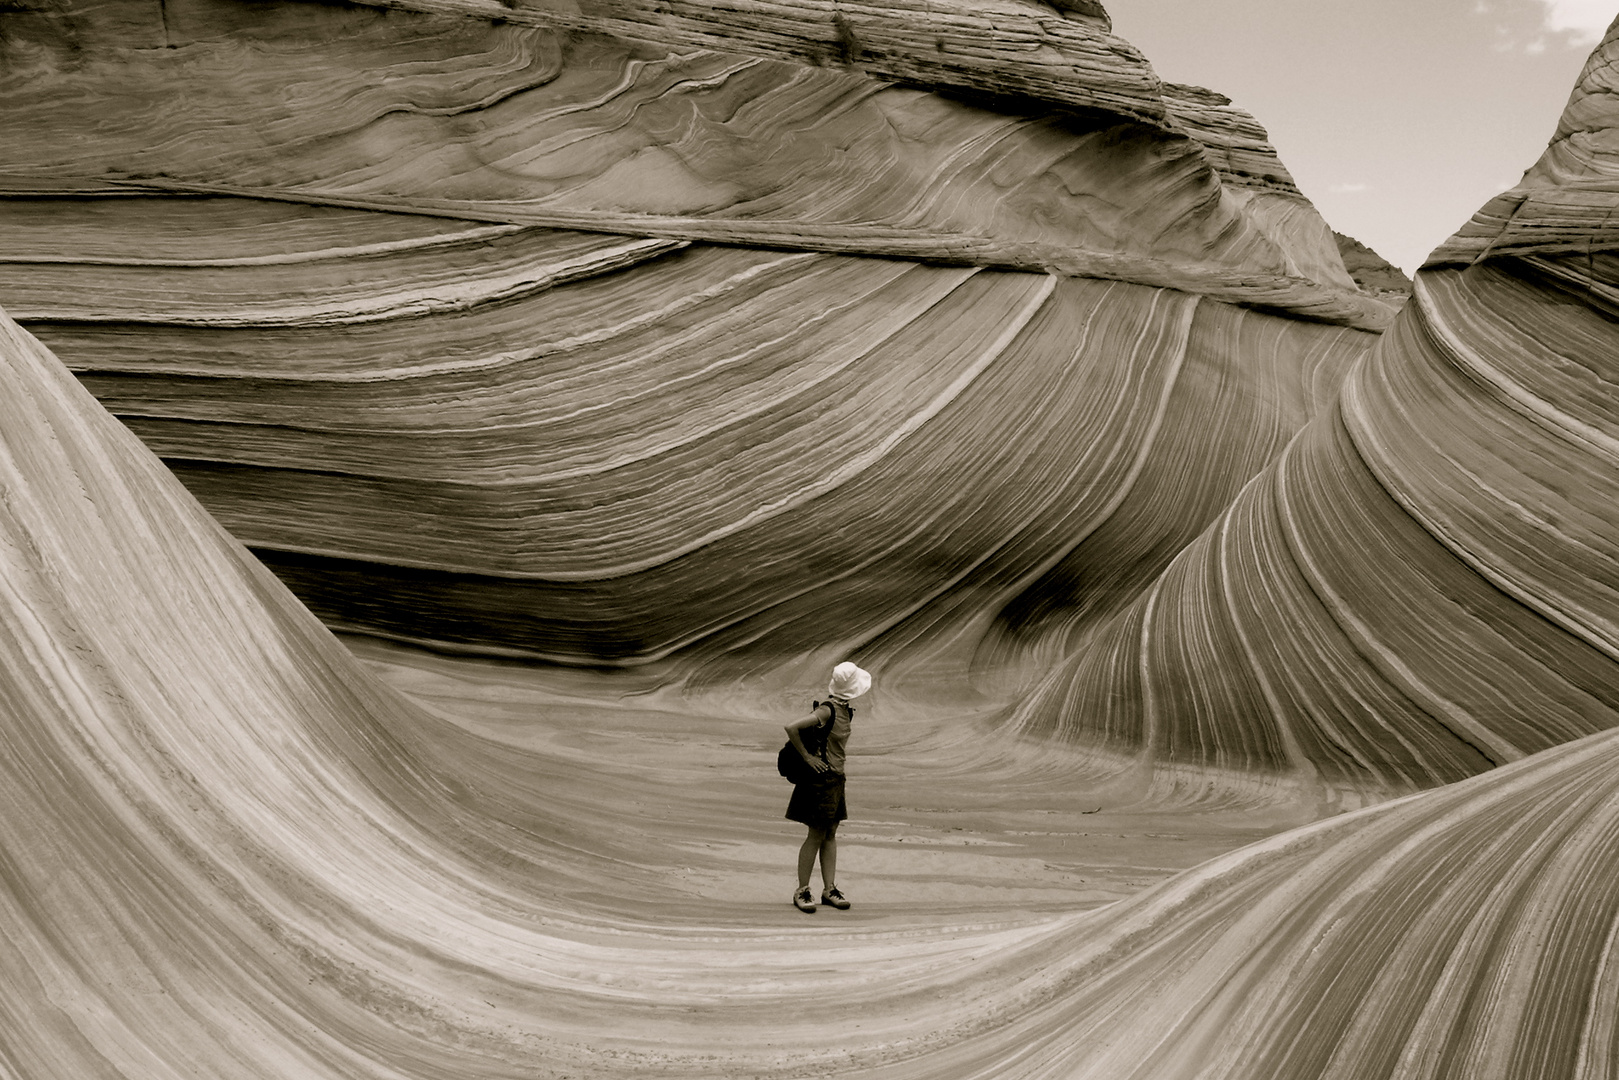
<point x="1585" y="20"/>
<point x="1347" y="189"/>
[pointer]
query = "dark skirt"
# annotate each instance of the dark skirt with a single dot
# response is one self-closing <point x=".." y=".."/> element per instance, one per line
<point x="818" y="801"/>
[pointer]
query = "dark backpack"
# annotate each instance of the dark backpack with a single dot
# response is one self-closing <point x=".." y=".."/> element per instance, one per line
<point x="788" y="760"/>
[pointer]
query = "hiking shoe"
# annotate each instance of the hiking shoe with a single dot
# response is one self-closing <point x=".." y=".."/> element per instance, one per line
<point x="835" y="898"/>
<point x="804" y="900"/>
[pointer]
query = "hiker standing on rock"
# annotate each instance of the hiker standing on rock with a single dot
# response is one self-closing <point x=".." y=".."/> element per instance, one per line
<point x="817" y="802"/>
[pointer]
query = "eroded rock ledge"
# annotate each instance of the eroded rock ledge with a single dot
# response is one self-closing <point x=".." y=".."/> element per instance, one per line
<point x="688" y="123"/>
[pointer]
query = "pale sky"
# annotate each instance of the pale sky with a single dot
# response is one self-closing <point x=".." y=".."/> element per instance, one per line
<point x="1398" y="118"/>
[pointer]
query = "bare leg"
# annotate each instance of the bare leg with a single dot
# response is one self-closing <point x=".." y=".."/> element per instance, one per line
<point x="813" y="844"/>
<point x="829" y="859"/>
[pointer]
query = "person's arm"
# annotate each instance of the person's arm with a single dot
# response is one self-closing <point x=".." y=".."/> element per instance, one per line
<point x="793" y="736"/>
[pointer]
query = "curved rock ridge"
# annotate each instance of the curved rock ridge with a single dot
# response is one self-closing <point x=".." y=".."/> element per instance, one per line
<point x="1469" y="931"/>
<point x="513" y="438"/>
<point x="187" y="753"/>
<point x="1564" y="203"/>
<point x="565" y="125"/>
<point x="1425" y="584"/>
<point x="471" y="428"/>
<point x="1255" y="178"/>
<point x="558" y="473"/>
<point x="230" y="849"/>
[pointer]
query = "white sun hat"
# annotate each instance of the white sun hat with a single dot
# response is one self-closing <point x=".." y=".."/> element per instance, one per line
<point x="848" y="681"/>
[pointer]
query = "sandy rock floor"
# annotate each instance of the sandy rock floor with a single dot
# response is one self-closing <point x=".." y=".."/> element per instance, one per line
<point x="671" y="815"/>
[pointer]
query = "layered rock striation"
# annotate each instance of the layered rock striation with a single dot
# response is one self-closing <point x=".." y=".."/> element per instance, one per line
<point x="1422" y="585"/>
<point x="516" y="337"/>
<point x="1419" y="586"/>
<point x="657" y="336"/>
<point x="1192" y="538"/>
<point x="229" y="848"/>
<point x="692" y="125"/>
<point x="832" y="438"/>
<point x="1467" y="931"/>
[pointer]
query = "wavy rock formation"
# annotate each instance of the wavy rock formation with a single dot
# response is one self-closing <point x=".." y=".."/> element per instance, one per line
<point x="1423" y="584"/>
<point x="1225" y="541"/>
<point x="230" y="850"/>
<point x="612" y="123"/>
<point x="468" y="426"/>
<point x="442" y="412"/>
<point x="1562" y="205"/>
<point x="687" y="424"/>
<point x="1463" y="932"/>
